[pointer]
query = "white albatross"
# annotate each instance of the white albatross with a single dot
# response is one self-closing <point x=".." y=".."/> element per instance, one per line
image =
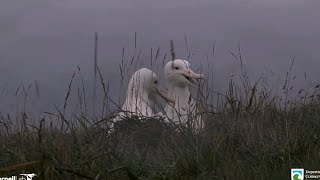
<point x="142" y="93"/>
<point x="179" y="76"/>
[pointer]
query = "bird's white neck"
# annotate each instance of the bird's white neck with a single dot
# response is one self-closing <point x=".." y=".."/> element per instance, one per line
<point x="180" y="94"/>
<point x="138" y="102"/>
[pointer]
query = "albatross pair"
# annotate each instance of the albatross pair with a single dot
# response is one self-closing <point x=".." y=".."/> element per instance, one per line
<point x="143" y="92"/>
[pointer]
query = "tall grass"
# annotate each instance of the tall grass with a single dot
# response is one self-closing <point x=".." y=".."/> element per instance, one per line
<point x="250" y="133"/>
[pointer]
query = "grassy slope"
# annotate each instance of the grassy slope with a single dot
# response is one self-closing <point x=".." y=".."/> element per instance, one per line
<point x="247" y="136"/>
<point x="249" y="139"/>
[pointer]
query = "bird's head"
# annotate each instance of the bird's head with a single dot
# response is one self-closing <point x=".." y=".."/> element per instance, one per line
<point x="179" y="73"/>
<point x="144" y="81"/>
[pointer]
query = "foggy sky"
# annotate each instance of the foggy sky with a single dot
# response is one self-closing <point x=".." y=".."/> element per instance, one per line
<point x="45" y="41"/>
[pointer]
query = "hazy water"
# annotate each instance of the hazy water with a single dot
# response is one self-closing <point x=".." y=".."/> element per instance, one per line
<point x="45" y="41"/>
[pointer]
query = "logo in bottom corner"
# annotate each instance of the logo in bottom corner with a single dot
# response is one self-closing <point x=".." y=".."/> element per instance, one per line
<point x="28" y="176"/>
<point x="297" y="174"/>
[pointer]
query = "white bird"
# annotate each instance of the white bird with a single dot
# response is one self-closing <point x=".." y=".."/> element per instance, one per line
<point x="179" y="76"/>
<point x="142" y="93"/>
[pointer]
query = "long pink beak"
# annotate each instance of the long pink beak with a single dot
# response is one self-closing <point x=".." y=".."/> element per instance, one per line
<point x="192" y="75"/>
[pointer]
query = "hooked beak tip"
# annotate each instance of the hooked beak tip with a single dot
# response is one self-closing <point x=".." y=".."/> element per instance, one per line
<point x="202" y="76"/>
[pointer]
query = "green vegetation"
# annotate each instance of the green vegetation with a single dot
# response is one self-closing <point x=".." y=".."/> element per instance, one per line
<point x="246" y="137"/>
<point x="249" y="134"/>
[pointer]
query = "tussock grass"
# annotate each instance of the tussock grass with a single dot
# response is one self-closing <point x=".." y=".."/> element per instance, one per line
<point x="242" y="141"/>
<point x="249" y="134"/>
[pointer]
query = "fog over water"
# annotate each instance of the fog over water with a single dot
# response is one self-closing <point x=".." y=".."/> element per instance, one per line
<point x="44" y="42"/>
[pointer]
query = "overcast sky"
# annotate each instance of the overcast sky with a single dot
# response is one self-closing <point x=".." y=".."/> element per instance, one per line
<point x="44" y="41"/>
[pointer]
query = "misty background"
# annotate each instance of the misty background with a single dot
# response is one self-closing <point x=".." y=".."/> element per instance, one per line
<point x="43" y="43"/>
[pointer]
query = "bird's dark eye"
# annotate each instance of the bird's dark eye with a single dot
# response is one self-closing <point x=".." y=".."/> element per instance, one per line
<point x="156" y="82"/>
<point x="176" y="67"/>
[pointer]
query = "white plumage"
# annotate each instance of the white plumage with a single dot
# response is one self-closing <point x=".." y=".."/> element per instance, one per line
<point x="142" y="93"/>
<point x="179" y="76"/>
